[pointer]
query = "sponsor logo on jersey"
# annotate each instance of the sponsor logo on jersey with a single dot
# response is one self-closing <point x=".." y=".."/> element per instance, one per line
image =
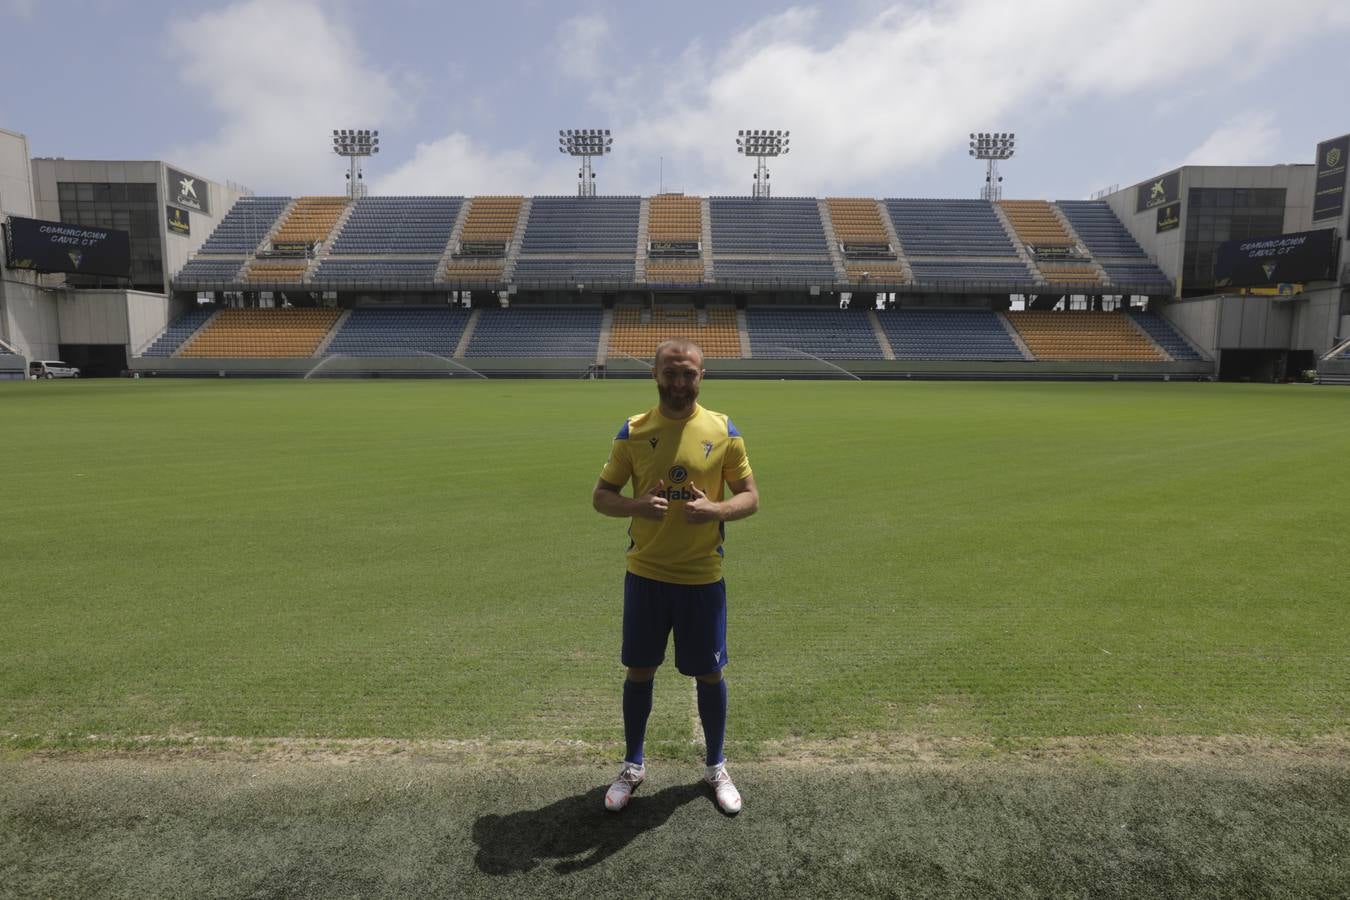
<point x="678" y="474"/>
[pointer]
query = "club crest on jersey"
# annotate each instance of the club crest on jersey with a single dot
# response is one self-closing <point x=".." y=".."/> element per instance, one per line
<point x="678" y="474"/>
<point x="707" y="449"/>
<point x="653" y="441"/>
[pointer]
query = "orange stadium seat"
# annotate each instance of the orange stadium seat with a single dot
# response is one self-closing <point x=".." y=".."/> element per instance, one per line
<point x="1083" y="337"/>
<point x="630" y="335"/>
<point x="263" y="332"/>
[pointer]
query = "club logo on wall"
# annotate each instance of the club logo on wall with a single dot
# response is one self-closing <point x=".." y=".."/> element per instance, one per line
<point x="1329" y="189"/>
<point x="188" y="191"/>
<point x="1333" y="157"/>
<point x="177" y="221"/>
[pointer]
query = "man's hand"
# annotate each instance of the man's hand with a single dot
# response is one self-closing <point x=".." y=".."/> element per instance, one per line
<point x="652" y="505"/>
<point x="701" y="509"/>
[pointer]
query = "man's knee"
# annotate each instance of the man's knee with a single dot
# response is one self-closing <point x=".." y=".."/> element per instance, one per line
<point x="640" y="675"/>
<point x="710" y="678"/>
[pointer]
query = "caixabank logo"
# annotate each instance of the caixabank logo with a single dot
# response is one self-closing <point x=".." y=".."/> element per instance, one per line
<point x="678" y="476"/>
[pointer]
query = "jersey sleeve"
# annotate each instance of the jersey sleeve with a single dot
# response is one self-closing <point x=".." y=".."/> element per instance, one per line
<point x="735" y="464"/>
<point x="619" y="467"/>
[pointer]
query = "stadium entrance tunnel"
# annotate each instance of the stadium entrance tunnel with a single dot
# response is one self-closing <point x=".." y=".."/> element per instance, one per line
<point x="1264" y="366"/>
<point x="96" y="360"/>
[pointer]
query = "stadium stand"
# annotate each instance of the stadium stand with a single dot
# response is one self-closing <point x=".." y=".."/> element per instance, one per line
<point x="401" y="331"/>
<point x="960" y="334"/>
<point x="1035" y="223"/>
<point x="180" y="330"/>
<point x="572" y="271"/>
<point x="1070" y="274"/>
<point x="262" y="333"/>
<point x="1012" y="273"/>
<point x="491" y="222"/>
<point x="638" y="332"/>
<point x="1166" y="336"/>
<point x="787" y="333"/>
<point x="384" y="270"/>
<point x="1083" y="336"/>
<point x="599" y="225"/>
<point x="245" y="225"/>
<point x="675" y="218"/>
<point x="209" y="271"/>
<point x="277" y="271"/>
<point x="310" y="220"/>
<point x="857" y="221"/>
<point x="542" y="331"/>
<point x="948" y="228"/>
<point x="774" y="271"/>
<point x="398" y="225"/>
<point x="1113" y="247"/>
<point x="773" y="227"/>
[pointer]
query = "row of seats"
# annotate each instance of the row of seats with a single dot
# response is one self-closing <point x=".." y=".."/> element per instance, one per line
<point x="398" y="225"/>
<point x="179" y="330"/>
<point x="674" y="271"/>
<point x="264" y="271"/>
<point x="638" y="332"/>
<point x="262" y="333"/>
<point x="857" y="220"/>
<point x="768" y="226"/>
<point x="310" y="220"/>
<point x="582" y="225"/>
<point x="245" y="225"/>
<point x="1083" y="336"/>
<point x="674" y="217"/>
<point x="492" y="219"/>
<point x="1035" y="223"/>
<point x="948" y="228"/>
<point x="773" y="332"/>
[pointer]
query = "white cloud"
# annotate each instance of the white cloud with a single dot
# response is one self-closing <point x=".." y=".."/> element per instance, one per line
<point x="901" y="90"/>
<point x="280" y="75"/>
<point x="455" y="165"/>
<point x="581" y="44"/>
<point x="1250" y="139"/>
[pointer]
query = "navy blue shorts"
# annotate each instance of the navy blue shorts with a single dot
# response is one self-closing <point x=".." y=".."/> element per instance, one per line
<point x="696" y="612"/>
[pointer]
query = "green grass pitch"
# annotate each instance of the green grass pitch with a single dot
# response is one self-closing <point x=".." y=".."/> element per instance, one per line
<point x="420" y="560"/>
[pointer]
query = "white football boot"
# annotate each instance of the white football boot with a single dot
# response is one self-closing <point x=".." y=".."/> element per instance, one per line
<point x="728" y="798"/>
<point x="619" y="793"/>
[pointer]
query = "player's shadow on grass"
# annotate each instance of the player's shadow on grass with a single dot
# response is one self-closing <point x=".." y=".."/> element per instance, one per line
<point x="569" y="828"/>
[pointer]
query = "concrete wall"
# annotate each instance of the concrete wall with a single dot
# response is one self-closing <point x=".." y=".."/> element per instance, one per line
<point x="1198" y="320"/>
<point x="16" y="177"/>
<point x="1317" y="321"/>
<point x="1255" y="323"/>
<point x="30" y="320"/>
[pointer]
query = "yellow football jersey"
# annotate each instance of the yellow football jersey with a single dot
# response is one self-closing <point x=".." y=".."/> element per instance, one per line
<point x="705" y="449"/>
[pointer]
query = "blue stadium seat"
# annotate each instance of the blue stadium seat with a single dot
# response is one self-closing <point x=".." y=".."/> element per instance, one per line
<point x="961" y="334"/>
<point x="179" y="331"/>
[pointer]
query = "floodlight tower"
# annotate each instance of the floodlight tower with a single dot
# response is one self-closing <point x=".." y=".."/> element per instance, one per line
<point x="355" y="143"/>
<point x="762" y="144"/>
<point x="992" y="146"/>
<point x="585" y="142"/>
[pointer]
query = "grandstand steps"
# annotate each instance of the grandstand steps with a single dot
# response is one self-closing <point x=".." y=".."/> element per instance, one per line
<point x="832" y="241"/>
<point x="705" y="237"/>
<point x="743" y="330"/>
<point x="901" y="256"/>
<point x="517" y="239"/>
<point x="1016" y="242"/>
<point x="326" y="245"/>
<point x="332" y="333"/>
<point x="462" y="348"/>
<point x="192" y="337"/>
<point x="602" y="348"/>
<point x="882" y="340"/>
<point x="640" y="250"/>
<point x="453" y="243"/>
<point x="1016" y="338"/>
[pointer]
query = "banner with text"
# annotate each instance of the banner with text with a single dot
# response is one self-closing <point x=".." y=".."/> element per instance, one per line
<point x="1284" y="259"/>
<point x="1169" y="217"/>
<point x="42" y="246"/>
<point x="1329" y="194"/>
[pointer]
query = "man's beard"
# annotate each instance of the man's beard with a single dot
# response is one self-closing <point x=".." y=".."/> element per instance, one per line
<point x="677" y="398"/>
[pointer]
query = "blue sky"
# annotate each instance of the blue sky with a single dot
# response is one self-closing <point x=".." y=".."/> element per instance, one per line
<point x="879" y="96"/>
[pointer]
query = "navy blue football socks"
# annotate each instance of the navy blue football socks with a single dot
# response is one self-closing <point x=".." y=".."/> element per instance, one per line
<point x="637" y="706"/>
<point x="712" y="711"/>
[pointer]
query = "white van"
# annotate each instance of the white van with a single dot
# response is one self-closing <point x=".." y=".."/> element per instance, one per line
<point x="51" y="368"/>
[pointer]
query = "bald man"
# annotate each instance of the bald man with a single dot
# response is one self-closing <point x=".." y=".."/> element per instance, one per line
<point x="679" y="458"/>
